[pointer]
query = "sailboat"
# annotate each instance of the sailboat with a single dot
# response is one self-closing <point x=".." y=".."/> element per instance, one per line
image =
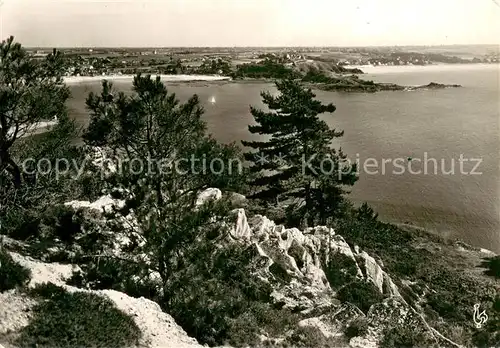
<point x="212" y="100"/>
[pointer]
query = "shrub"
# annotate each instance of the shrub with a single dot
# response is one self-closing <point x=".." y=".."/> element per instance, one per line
<point x="391" y="243"/>
<point x="259" y="319"/>
<point x="62" y="223"/>
<point x="305" y="337"/>
<point x="493" y="265"/>
<point x="217" y="301"/>
<point x="119" y="275"/>
<point x="360" y="293"/>
<point x="404" y="337"/>
<point x="19" y="223"/>
<point x="340" y="269"/>
<point x="454" y="294"/>
<point x="489" y="335"/>
<point x="76" y="320"/>
<point x="356" y="328"/>
<point x="12" y="274"/>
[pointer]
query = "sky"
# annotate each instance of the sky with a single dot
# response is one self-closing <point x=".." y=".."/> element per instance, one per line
<point x="175" y="23"/>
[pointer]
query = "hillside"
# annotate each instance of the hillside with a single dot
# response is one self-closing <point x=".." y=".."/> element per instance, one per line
<point x="317" y="289"/>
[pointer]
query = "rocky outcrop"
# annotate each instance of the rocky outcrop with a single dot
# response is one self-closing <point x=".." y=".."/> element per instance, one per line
<point x="293" y="262"/>
<point x="432" y="85"/>
<point x="300" y="257"/>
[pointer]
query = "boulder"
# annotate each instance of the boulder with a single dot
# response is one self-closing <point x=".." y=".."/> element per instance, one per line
<point x="207" y="195"/>
<point x="105" y="204"/>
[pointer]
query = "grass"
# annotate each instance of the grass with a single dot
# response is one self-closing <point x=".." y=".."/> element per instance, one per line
<point x="79" y="319"/>
<point x="12" y="274"/>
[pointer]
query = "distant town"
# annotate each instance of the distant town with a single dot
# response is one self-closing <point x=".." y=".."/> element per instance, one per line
<point x="227" y="61"/>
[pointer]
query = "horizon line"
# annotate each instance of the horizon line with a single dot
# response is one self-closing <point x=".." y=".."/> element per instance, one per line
<point x="284" y="46"/>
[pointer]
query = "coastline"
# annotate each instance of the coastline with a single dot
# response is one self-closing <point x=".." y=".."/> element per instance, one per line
<point x="387" y="69"/>
<point x="164" y="78"/>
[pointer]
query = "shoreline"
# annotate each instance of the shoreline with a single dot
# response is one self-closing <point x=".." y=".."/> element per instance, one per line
<point x="164" y="78"/>
<point x="387" y="69"/>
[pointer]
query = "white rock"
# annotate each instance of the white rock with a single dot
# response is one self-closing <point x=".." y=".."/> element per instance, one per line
<point x="374" y="272"/>
<point x="241" y="230"/>
<point x="378" y="276"/>
<point x="105" y="203"/>
<point x="158" y="329"/>
<point x="55" y="273"/>
<point x="207" y="195"/>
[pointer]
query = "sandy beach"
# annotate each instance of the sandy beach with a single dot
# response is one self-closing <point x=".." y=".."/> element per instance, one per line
<point x="164" y="78"/>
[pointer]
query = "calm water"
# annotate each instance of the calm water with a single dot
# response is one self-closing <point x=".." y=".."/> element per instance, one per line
<point x="388" y="125"/>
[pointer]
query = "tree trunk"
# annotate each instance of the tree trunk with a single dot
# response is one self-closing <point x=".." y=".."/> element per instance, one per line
<point x="308" y="204"/>
<point x="13" y="169"/>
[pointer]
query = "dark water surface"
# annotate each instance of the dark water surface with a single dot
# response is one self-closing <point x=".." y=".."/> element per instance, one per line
<point x="439" y="124"/>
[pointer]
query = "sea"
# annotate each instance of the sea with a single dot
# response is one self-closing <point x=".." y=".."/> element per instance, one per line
<point x="428" y="158"/>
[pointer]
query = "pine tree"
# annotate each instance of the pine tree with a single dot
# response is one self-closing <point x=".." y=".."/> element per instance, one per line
<point x="154" y="129"/>
<point x="31" y="91"/>
<point x="296" y="165"/>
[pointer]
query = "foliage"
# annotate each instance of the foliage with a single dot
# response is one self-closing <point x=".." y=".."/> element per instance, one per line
<point x="493" y="265"/>
<point x="174" y="67"/>
<point x="77" y="319"/>
<point x="65" y="225"/>
<point x="216" y="301"/>
<point x="360" y="226"/>
<point x="168" y="139"/>
<point x="357" y="328"/>
<point x="360" y="293"/>
<point x="305" y="337"/>
<point x="340" y="270"/>
<point x="455" y="294"/>
<point x="126" y="276"/>
<point x="215" y="66"/>
<point x="290" y="166"/>
<point x="12" y="274"/>
<point x="33" y="91"/>
<point x="404" y="336"/>
<point x="316" y="76"/>
<point x="489" y="335"/>
<point x="267" y="69"/>
<point x="30" y="91"/>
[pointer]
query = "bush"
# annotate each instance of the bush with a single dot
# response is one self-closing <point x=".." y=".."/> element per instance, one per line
<point x="76" y="320"/>
<point x="404" y="337"/>
<point x="119" y="275"/>
<point x="307" y="337"/>
<point x="391" y="243"/>
<point x="340" y="269"/>
<point x="217" y="301"/>
<point x="493" y="265"/>
<point x="62" y="223"/>
<point x="12" y="274"/>
<point x="19" y="223"/>
<point x="356" y="328"/>
<point x="360" y="293"/>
